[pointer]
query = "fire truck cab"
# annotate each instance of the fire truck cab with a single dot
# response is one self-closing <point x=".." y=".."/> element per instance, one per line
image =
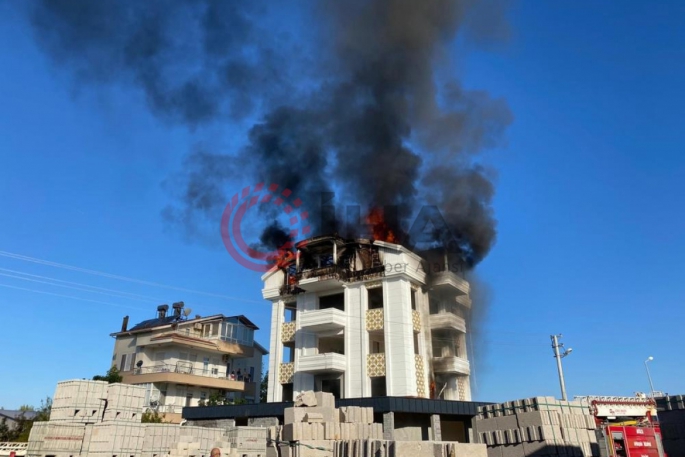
<point x="626" y="426"/>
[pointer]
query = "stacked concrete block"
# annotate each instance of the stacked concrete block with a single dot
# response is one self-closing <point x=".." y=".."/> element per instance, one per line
<point x="540" y="426"/>
<point x="108" y="439"/>
<point x="248" y="441"/>
<point x="79" y="401"/>
<point x="671" y="412"/>
<point x="124" y="403"/>
<point x="58" y="439"/>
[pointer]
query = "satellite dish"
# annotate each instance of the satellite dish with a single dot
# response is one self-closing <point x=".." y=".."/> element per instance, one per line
<point x="187" y="311"/>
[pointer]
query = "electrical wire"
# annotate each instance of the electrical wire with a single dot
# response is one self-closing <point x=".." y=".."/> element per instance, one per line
<point x="83" y="289"/>
<point x="70" y="297"/>
<point x="139" y="296"/>
<point x="24" y="258"/>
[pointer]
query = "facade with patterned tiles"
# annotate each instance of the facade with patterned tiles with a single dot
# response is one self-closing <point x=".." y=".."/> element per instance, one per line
<point x="362" y="319"/>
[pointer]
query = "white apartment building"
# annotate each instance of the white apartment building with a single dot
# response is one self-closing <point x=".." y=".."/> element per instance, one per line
<point x="360" y="319"/>
<point x="183" y="361"/>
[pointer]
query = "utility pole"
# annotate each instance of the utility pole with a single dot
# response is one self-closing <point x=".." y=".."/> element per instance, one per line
<point x="556" y="346"/>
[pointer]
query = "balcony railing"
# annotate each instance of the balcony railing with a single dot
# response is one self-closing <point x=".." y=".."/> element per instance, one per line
<point x="318" y="363"/>
<point x="188" y="368"/>
<point x="190" y="332"/>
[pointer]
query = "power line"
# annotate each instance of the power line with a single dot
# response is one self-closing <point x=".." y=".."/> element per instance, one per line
<point x="119" y="277"/>
<point x="69" y="296"/>
<point x="84" y="287"/>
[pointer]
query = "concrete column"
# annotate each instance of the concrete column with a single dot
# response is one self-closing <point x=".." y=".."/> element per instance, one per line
<point x="399" y="336"/>
<point x="356" y="343"/>
<point x="305" y="344"/>
<point x="275" y="392"/>
<point x="436" y="432"/>
<point x="389" y="426"/>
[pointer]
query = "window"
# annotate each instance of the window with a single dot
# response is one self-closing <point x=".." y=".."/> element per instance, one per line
<point x="376" y="347"/>
<point x="336" y="301"/>
<point x="378" y="387"/>
<point x="126" y="362"/>
<point x="375" y="297"/>
<point x="414" y="292"/>
<point x="288" y="392"/>
<point x="416" y="343"/>
<point x="290" y="314"/>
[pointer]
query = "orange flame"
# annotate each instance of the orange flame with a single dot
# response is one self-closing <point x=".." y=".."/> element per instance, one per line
<point x="381" y="230"/>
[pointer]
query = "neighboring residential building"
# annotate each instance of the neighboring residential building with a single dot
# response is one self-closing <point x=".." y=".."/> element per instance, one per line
<point x="358" y="318"/>
<point x="183" y="361"/>
<point x="13" y="416"/>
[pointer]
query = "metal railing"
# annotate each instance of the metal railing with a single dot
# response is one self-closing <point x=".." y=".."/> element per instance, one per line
<point x="191" y="369"/>
<point x="8" y="447"/>
<point x="198" y="334"/>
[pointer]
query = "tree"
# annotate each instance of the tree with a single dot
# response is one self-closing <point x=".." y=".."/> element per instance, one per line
<point x="264" y="388"/>
<point x="151" y="416"/>
<point x="111" y="377"/>
<point x="43" y="413"/>
<point x="5" y="432"/>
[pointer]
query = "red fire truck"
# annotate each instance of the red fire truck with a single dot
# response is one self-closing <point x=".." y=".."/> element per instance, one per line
<point x="626" y="426"/>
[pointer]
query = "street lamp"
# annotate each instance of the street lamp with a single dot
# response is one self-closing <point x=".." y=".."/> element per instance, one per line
<point x="556" y="346"/>
<point x="649" y="376"/>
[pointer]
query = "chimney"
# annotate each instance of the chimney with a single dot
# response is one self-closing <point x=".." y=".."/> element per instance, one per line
<point x="124" y="324"/>
<point x="178" y="309"/>
<point x="162" y="309"/>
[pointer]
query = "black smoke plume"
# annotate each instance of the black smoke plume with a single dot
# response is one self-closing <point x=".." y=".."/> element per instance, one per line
<point x="361" y="100"/>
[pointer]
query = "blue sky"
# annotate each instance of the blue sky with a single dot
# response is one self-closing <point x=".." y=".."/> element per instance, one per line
<point x="588" y="203"/>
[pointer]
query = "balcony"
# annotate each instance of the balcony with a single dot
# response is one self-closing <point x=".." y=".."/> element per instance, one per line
<point x="323" y="278"/>
<point x="447" y="320"/>
<point x="183" y="374"/>
<point x="190" y="338"/>
<point x="375" y="365"/>
<point x="322" y="319"/>
<point x="321" y="363"/>
<point x="449" y="280"/>
<point x="374" y="319"/>
<point x="454" y="365"/>
<point x="464" y="300"/>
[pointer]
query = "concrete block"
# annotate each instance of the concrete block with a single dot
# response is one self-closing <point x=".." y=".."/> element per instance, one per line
<point x="292" y="414"/>
<point x="324" y="399"/>
<point x="486" y="425"/>
<point x="506" y="422"/>
<point x="514" y="450"/>
<point x="494" y="451"/>
<point x="313" y="418"/>
<point x="307" y="398"/>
